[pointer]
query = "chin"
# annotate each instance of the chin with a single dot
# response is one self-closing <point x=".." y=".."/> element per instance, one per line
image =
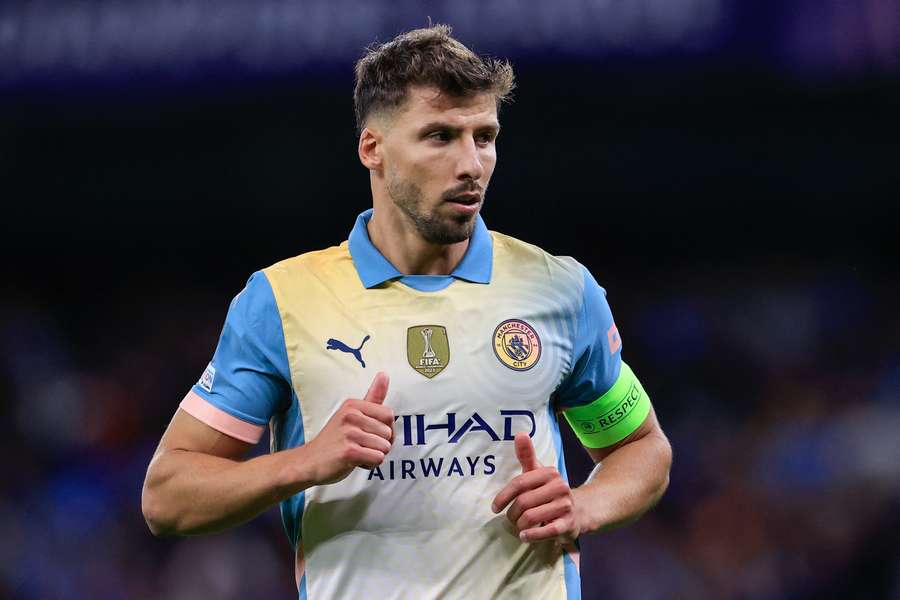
<point x="449" y="233"/>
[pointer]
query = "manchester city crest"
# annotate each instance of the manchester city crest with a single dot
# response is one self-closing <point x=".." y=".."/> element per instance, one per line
<point x="427" y="349"/>
<point x="517" y="345"/>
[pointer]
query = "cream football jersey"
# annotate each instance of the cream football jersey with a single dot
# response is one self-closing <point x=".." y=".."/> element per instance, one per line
<point x="510" y="339"/>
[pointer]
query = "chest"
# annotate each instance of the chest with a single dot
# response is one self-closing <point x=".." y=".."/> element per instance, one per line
<point x="474" y="361"/>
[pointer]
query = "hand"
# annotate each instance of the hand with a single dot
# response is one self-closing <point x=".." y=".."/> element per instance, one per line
<point x="543" y="506"/>
<point x="359" y="434"/>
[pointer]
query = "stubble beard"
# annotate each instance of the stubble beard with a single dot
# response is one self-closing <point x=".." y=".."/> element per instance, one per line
<point x="432" y="226"/>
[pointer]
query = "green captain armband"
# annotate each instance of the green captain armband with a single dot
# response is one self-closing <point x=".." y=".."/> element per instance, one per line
<point x="613" y="416"/>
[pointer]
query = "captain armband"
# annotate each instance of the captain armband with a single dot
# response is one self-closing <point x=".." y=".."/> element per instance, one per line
<point x="613" y="416"/>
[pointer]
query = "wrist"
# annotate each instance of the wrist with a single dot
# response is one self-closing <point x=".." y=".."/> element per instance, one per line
<point x="586" y="510"/>
<point x="295" y="473"/>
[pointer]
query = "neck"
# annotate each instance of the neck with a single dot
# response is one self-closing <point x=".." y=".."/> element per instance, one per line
<point x="395" y="236"/>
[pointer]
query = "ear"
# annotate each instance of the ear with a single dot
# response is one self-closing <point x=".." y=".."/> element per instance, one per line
<point x="370" y="148"/>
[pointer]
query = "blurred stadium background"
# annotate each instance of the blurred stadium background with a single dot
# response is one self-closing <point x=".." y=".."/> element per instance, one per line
<point x="727" y="169"/>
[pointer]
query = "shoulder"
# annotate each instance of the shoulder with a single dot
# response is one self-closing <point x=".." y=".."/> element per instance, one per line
<point x="253" y="309"/>
<point x="325" y="265"/>
<point x="317" y="260"/>
<point x="527" y="260"/>
<point x="312" y="277"/>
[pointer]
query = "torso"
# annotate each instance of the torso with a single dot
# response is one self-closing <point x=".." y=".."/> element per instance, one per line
<point x="459" y="399"/>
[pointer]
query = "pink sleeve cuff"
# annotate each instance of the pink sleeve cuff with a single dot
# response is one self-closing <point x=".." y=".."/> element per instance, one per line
<point x="196" y="406"/>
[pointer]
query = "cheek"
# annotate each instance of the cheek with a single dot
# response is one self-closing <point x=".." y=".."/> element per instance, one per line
<point x="406" y="171"/>
<point x="420" y="175"/>
<point x="428" y="172"/>
<point x="489" y="161"/>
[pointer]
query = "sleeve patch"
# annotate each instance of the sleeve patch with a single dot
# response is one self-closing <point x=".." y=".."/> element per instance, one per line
<point x="206" y="380"/>
<point x="612" y="336"/>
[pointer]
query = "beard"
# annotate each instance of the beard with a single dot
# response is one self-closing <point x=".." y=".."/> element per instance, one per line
<point x="434" y="227"/>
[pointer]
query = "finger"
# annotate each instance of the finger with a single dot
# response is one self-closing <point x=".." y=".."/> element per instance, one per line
<point x="370" y="440"/>
<point x="519" y="485"/>
<point x="546" y="513"/>
<point x="370" y="425"/>
<point x="378" y="389"/>
<point x="379" y="412"/>
<point x="544" y="494"/>
<point x="549" y="531"/>
<point x="367" y="457"/>
<point x="525" y="453"/>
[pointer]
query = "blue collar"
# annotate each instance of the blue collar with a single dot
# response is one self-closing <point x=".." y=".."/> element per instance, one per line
<point x="373" y="268"/>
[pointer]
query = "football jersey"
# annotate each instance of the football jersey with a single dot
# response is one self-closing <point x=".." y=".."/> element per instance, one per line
<point x="503" y="344"/>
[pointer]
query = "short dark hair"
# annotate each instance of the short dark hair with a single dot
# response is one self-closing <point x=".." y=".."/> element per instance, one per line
<point x="428" y="56"/>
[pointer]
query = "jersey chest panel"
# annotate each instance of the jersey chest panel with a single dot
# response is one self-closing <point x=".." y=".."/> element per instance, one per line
<point x="429" y="502"/>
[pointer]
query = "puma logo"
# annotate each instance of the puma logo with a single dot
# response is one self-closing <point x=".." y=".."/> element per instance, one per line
<point x="334" y="344"/>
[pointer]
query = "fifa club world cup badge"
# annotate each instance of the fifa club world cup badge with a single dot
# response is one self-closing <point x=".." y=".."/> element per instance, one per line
<point x="517" y="344"/>
<point x="427" y="349"/>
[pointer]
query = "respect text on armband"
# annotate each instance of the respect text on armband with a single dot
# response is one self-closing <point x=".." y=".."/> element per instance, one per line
<point x="614" y="415"/>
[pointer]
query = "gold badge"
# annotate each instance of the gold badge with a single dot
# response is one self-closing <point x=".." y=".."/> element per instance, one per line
<point x="517" y="344"/>
<point x="427" y="349"/>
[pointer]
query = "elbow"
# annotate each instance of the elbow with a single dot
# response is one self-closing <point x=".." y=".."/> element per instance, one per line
<point x="664" y="485"/>
<point x="153" y="518"/>
<point x="666" y="452"/>
<point x="153" y="509"/>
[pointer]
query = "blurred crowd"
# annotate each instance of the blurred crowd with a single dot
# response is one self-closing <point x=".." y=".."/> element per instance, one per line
<point x="780" y="392"/>
<point x="135" y="132"/>
<point x="778" y="387"/>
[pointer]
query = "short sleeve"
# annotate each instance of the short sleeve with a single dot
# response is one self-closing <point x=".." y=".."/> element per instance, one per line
<point x="248" y="379"/>
<point x="597" y="350"/>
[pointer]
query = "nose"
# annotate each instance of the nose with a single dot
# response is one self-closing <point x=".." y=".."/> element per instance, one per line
<point x="468" y="165"/>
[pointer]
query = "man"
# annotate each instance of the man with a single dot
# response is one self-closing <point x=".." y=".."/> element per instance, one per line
<point x="446" y="481"/>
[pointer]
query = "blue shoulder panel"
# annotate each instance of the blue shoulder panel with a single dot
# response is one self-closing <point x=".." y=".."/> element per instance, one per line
<point x="597" y="352"/>
<point x="251" y="378"/>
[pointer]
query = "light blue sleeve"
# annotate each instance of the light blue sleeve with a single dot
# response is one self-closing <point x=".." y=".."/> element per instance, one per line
<point x="597" y="351"/>
<point x="249" y="377"/>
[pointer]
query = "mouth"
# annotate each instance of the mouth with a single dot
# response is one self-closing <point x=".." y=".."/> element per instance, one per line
<point x="466" y="205"/>
<point x="468" y="199"/>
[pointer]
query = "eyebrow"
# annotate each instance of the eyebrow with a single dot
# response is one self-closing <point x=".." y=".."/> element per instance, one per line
<point x="434" y="125"/>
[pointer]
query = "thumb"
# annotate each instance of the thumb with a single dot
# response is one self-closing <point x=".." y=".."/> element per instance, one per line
<point x="525" y="453"/>
<point x="378" y="389"/>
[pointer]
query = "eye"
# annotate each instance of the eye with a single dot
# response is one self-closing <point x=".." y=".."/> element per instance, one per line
<point x="441" y="136"/>
<point x="485" y="138"/>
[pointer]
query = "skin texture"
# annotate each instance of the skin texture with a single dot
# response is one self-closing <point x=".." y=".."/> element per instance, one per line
<point x="633" y="477"/>
<point x="197" y="483"/>
<point x="420" y="157"/>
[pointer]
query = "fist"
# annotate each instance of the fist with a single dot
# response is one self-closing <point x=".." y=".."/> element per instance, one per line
<point x="359" y="434"/>
<point x="543" y="506"/>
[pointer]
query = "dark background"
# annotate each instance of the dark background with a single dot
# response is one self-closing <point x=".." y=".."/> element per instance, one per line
<point x="732" y="189"/>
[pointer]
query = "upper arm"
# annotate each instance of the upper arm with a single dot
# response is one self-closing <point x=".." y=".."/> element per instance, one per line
<point x="185" y="435"/>
<point x="601" y="398"/>
<point x="193" y="435"/>
<point x="596" y="350"/>
<point x="248" y="379"/>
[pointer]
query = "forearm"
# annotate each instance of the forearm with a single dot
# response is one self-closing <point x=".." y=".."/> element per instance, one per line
<point x="189" y="493"/>
<point x="631" y="480"/>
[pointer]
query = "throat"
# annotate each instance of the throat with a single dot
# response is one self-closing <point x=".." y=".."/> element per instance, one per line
<point x="410" y="254"/>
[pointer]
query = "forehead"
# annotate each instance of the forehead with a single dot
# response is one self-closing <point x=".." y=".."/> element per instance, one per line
<point x="426" y="104"/>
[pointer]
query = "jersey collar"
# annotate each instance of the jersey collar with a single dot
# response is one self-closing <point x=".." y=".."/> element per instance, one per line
<point x="373" y="268"/>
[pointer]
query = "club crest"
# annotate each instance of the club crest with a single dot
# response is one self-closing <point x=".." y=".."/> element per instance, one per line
<point x="517" y="345"/>
<point x="427" y="349"/>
